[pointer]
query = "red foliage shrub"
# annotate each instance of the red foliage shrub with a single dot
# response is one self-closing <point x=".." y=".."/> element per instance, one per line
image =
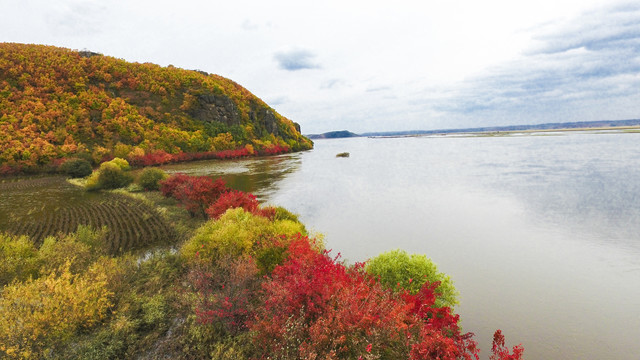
<point x="169" y="185"/>
<point x="274" y="150"/>
<point x="269" y="212"/>
<point x="501" y="352"/>
<point x="8" y="170"/>
<point x="445" y="343"/>
<point x="232" y="154"/>
<point x="233" y="199"/>
<point x="158" y="157"/>
<point x="223" y="295"/>
<point x="314" y="306"/>
<point x="195" y="193"/>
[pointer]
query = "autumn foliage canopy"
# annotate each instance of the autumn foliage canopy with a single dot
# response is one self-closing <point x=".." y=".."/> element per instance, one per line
<point x="57" y="103"/>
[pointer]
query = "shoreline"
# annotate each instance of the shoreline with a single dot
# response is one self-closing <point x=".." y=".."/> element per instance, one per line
<point x="625" y="129"/>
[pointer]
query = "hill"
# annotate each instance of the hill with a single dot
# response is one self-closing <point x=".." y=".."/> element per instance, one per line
<point x="333" y="135"/>
<point x="58" y="103"/>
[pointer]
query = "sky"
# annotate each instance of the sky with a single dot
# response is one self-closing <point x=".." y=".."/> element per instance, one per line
<point x="374" y="65"/>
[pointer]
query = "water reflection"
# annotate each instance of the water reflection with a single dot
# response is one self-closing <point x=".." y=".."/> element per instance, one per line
<point x="260" y="176"/>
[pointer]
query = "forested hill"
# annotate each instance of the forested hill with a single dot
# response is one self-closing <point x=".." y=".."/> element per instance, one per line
<point x="57" y="103"/>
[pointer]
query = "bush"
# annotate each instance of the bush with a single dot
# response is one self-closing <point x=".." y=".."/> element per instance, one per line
<point x="316" y="307"/>
<point x="18" y="259"/>
<point x="121" y="163"/>
<point x="195" y="193"/>
<point x="76" y="168"/>
<point x="111" y="175"/>
<point x="284" y="214"/>
<point x="80" y="249"/>
<point x="169" y="186"/>
<point x="223" y="295"/>
<point x="154" y="311"/>
<point x="400" y="270"/>
<point x="38" y="315"/>
<point x="237" y="234"/>
<point x="150" y="178"/>
<point x="233" y="199"/>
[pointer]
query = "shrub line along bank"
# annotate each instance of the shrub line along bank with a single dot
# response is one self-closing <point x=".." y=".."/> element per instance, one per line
<point x="309" y="304"/>
<point x="158" y="157"/>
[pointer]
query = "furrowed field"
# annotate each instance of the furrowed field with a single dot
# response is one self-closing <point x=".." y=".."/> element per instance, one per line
<point x="47" y="206"/>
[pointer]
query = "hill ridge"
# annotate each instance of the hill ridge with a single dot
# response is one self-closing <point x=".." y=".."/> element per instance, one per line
<point x="57" y="103"/>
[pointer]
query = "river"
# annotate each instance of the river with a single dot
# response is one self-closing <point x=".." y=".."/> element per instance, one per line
<point x="540" y="232"/>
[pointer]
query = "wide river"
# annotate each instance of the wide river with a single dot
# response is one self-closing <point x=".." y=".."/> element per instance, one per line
<point x="539" y="232"/>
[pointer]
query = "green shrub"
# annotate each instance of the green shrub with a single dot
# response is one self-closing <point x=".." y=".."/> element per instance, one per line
<point x="397" y="267"/>
<point x="80" y="249"/>
<point x="109" y="342"/>
<point x="111" y="175"/>
<point x="237" y="233"/>
<point x="231" y="348"/>
<point x="150" y="177"/>
<point x="154" y="311"/>
<point x="18" y="259"/>
<point x="76" y="168"/>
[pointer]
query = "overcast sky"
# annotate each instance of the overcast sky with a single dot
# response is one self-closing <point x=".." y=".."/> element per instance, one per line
<point x="374" y="65"/>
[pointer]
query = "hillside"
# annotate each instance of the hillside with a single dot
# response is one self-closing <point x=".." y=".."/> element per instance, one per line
<point x="333" y="135"/>
<point x="57" y="103"/>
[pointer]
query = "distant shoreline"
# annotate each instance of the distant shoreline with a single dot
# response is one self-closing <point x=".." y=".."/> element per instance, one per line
<point x="497" y="133"/>
<point x="601" y="125"/>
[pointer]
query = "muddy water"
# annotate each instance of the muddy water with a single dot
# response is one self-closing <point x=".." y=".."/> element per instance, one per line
<point x="540" y="232"/>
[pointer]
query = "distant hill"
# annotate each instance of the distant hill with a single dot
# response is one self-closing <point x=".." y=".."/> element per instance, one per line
<point x="58" y="103"/>
<point x="333" y="135"/>
<point x="549" y="126"/>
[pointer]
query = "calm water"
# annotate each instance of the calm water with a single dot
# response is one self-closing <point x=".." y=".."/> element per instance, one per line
<point x="541" y="234"/>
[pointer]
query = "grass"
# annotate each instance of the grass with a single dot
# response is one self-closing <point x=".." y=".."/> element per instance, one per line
<point x="169" y="209"/>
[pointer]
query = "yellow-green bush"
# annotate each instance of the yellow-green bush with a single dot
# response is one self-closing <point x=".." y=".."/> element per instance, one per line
<point x="19" y="259"/>
<point x="38" y="315"/>
<point x="110" y="175"/>
<point x="121" y="163"/>
<point x="397" y="267"/>
<point x="150" y="177"/>
<point x="236" y="233"/>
